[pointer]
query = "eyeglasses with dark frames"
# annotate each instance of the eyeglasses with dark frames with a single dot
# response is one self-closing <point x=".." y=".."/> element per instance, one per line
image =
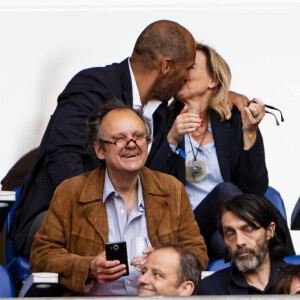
<point x="268" y="112"/>
<point x="122" y="143"/>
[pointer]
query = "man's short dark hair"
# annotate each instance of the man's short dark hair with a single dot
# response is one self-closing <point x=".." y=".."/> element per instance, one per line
<point x="258" y="212"/>
<point x="189" y="265"/>
<point x="162" y="39"/>
<point x="95" y="119"/>
<point x="286" y="274"/>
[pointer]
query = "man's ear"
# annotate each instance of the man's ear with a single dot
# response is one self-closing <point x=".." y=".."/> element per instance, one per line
<point x="99" y="151"/>
<point x="271" y="230"/>
<point x="186" y="288"/>
<point x="166" y="65"/>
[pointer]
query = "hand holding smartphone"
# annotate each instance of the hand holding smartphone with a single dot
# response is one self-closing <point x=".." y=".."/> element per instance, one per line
<point x="117" y="251"/>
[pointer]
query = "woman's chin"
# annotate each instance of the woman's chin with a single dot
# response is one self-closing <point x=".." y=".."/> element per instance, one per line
<point x="180" y="96"/>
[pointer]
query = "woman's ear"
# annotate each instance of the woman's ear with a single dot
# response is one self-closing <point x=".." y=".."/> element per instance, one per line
<point x="213" y="83"/>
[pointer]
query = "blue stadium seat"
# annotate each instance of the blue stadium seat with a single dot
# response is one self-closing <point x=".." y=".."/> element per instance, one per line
<point x="293" y="259"/>
<point x="295" y="220"/>
<point x="7" y="288"/>
<point x="17" y="266"/>
<point x="216" y="265"/>
<point x="275" y="198"/>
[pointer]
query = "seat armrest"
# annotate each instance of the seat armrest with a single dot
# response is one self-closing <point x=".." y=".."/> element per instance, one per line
<point x="39" y="285"/>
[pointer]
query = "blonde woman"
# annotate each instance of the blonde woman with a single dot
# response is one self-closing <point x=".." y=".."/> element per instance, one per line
<point x="215" y="158"/>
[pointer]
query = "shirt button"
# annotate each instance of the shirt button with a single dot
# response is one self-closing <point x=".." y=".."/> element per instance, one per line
<point x="122" y="211"/>
<point x="128" y="282"/>
<point x="116" y="194"/>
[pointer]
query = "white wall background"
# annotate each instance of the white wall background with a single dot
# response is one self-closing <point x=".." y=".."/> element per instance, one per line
<point x="44" y="43"/>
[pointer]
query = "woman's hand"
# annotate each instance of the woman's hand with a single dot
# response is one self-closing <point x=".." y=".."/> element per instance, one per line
<point x="106" y="271"/>
<point x="252" y="116"/>
<point x="185" y="122"/>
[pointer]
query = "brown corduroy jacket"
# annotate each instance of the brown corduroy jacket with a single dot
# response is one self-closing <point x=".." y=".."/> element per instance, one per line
<point x="75" y="229"/>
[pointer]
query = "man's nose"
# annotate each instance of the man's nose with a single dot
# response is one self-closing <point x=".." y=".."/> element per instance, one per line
<point x="131" y="144"/>
<point x="240" y="238"/>
<point x="144" y="278"/>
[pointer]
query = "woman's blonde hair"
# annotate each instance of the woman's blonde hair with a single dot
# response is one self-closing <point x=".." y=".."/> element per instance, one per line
<point x="220" y="72"/>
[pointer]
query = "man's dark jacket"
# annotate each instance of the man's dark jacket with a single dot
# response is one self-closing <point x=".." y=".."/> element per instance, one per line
<point x="63" y="152"/>
<point x="230" y="281"/>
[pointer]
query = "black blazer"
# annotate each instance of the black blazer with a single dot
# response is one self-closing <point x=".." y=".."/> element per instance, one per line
<point x="246" y="169"/>
<point x="63" y="152"/>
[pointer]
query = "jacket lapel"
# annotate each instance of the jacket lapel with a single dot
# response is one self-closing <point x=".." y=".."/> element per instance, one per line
<point x="159" y="129"/>
<point x="155" y="204"/>
<point x="95" y="209"/>
<point x="126" y="82"/>
<point x="221" y="134"/>
<point x="96" y="214"/>
<point x="155" y="208"/>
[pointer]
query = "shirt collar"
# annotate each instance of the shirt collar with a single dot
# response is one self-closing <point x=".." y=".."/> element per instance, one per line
<point x="151" y="106"/>
<point x="141" y="204"/>
<point x="109" y="189"/>
<point x="135" y="92"/>
<point x="238" y="278"/>
<point x="209" y="126"/>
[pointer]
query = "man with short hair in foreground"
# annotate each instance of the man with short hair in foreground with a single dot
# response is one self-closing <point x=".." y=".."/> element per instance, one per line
<point x="255" y="248"/>
<point x="171" y="270"/>
<point x="118" y="201"/>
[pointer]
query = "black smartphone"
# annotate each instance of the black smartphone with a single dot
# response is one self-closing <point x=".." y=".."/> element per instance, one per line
<point x="117" y="251"/>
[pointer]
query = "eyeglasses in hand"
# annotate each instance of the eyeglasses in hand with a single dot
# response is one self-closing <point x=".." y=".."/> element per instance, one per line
<point x="268" y="112"/>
